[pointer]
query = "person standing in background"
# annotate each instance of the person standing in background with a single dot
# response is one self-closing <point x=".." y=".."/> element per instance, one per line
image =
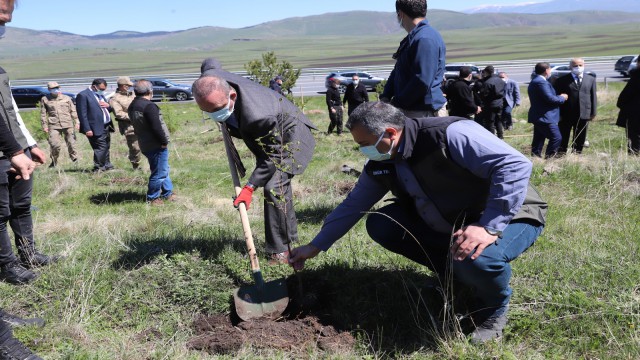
<point x="95" y="123"/>
<point x="59" y="119"/>
<point x="355" y="94"/>
<point x="511" y="99"/>
<point x="120" y="104"/>
<point x="334" y="105"/>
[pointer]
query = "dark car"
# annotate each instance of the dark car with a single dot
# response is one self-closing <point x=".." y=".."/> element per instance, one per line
<point x="622" y="65"/>
<point x="369" y="81"/>
<point x="451" y="71"/>
<point x="30" y="96"/>
<point x="163" y="88"/>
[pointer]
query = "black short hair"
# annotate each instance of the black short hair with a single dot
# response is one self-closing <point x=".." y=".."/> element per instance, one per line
<point x="489" y="70"/>
<point x="413" y="8"/>
<point x="99" y="81"/>
<point x="465" y="71"/>
<point x="541" y="68"/>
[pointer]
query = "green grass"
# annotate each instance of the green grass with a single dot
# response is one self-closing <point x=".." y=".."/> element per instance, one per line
<point x="185" y="55"/>
<point x="135" y="277"/>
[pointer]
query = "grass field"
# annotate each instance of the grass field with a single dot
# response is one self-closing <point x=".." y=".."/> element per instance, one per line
<point x="473" y="45"/>
<point x="135" y="277"/>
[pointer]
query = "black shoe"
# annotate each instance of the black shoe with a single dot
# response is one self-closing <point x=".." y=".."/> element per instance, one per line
<point x="16" y="274"/>
<point x="11" y="348"/>
<point x="37" y="259"/>
<point x="18" y="321"/>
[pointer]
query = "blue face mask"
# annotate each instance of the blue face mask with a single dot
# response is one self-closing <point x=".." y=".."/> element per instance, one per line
<point x="223" y="114"/>
<point x="373" y="154"/>
<point x="100" y="92"/>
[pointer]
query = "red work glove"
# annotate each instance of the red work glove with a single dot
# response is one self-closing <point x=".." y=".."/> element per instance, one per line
<point x="244" y="197"/>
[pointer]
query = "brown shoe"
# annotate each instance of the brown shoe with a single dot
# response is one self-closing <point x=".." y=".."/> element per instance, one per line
<point x="279" y="258"/>
<point x="156" y="202"/>
<point x="171" y="198"/>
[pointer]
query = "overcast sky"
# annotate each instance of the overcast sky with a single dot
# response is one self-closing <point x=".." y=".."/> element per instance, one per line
<point x="86" y="17"/>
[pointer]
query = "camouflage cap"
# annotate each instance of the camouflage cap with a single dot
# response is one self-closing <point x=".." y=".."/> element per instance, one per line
<point x="52" y="85"/>
<point x="124" y="80"/>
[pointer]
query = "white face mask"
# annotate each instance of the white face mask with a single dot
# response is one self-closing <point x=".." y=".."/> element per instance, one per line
<point x="578" y="70"/>
<point x="505" y="80"/>
<point x="2" y="31"/>
<point x="356" y="82"/>
<point x="223" y="114"/>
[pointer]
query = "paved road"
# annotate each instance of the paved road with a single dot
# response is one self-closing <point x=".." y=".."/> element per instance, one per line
<point x="313" y="84"/>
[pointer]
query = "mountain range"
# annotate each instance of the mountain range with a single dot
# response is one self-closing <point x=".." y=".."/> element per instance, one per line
<point x="544" y="7"/>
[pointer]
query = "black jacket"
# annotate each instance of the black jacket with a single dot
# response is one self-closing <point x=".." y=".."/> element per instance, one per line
<point x="629" y="100"/>
<point x="492" y="92"/>
<point x="333" y="97"/>
<point x="355" y="96"/>
<point x="460" y="99"/>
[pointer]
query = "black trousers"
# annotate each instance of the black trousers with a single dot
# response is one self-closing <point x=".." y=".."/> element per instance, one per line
<point x="15" y="208"/>
<point x="579" y="128"/>
<point x="281" y="225"/>
<point x="492" y="118"/>
<point x="633" y="136"/>
<point x="335" y="120"/>
<point x="101" y="146"/>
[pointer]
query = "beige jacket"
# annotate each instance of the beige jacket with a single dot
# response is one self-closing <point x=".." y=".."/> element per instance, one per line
<point x="120" y="103"/>
<point x="58" y="112"/>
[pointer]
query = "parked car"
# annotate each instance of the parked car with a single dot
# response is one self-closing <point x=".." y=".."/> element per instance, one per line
<point x="30" y="96"/>
<point x="164" y="88"/>
<point x="625" y="64"/>
<point x="451" y="71"/>
<point x="633" y="65"/>
<point x="366" y="79"/>
<point x="558" y="70"/>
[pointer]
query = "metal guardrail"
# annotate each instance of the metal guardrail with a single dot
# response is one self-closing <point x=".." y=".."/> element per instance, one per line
<point x="308" y="76"/>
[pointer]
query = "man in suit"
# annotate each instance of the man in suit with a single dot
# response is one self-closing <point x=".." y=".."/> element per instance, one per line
<point x="355" y="94"/>
<point x="276" y="132"/>
<point x="460" y="96"/>
<point x="544" y="112"/>
<point x="579" y="109"/>
<point x="95" y="122"/>
<point x="491" y="100"/>
<point x="511" y="99"/>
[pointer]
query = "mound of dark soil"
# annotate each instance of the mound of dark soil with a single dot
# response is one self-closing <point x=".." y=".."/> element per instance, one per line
<point x="218" y="335"/>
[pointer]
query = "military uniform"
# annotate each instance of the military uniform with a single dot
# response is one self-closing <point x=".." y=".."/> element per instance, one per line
<point x="59" y="118"/>
<point x="120" y="103"/>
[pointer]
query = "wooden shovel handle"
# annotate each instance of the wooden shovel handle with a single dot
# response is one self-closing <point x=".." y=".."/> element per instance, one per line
<point x="242" y="208"/>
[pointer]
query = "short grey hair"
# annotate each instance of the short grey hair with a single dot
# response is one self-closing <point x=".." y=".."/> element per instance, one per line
<point x="143" y="87"/>
<point x="375" y="117"/>
<point x="208" y="84"/>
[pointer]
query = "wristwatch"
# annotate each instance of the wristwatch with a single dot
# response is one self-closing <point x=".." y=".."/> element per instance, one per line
<point x="492" y="232"/>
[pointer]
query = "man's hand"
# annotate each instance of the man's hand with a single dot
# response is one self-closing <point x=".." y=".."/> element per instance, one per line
<point x="478" y="110"/>
<point x="38" y="155"/>
<point x="299" y="255"/>
<point x="333" y="111"/>
<point x="244" y="197"/>
<point x="22" y="165"/>
<point x="469" y="238"/>
<point x="46" y="130"/>
<point x="565" y="96"/>
<point x="89" y="133"/>
<point x="103" y="104"/>
<point x="77" y="126"/>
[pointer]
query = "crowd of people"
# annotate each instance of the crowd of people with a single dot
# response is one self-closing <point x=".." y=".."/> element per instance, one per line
<point x="463" y="203"/>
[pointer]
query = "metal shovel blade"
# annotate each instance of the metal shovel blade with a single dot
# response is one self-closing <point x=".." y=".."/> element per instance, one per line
<point x="268" y="299"/>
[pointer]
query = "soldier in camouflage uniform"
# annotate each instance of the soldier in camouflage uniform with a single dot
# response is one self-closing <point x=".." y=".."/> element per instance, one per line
<point x="59" y="119"/>
<point x="120" y="103"/>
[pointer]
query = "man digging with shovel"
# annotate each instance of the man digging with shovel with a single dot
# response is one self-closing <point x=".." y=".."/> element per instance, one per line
<point x="276" y="132"/>
<point x="449" y="176"/>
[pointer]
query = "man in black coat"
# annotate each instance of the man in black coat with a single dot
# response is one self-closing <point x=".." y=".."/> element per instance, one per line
<point x="334" y="105"/>
<point x="460" y="96"/>
<point x="579" y="109"/>
<point x="355" y="94"/>
<point x="492" y="99"/>
<point x="629" y="117"/>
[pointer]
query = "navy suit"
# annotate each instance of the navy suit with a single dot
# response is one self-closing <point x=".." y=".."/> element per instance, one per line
<point x="92" y="118"/>
<point x="544" y="114"/>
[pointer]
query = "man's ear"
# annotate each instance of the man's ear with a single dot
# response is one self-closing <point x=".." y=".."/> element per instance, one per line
<point x="393" y="133"/>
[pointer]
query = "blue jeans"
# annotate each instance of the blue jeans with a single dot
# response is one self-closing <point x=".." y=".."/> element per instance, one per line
<point x="160" y="184"/>
<point x="488" y="275"/>
<point x="541" y="132"/>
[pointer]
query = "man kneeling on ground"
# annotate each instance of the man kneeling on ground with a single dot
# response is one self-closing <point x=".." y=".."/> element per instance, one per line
<point x="449" y="176"/>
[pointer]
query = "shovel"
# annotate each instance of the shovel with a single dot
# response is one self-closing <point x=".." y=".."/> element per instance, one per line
<point x="263" y="299"/>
